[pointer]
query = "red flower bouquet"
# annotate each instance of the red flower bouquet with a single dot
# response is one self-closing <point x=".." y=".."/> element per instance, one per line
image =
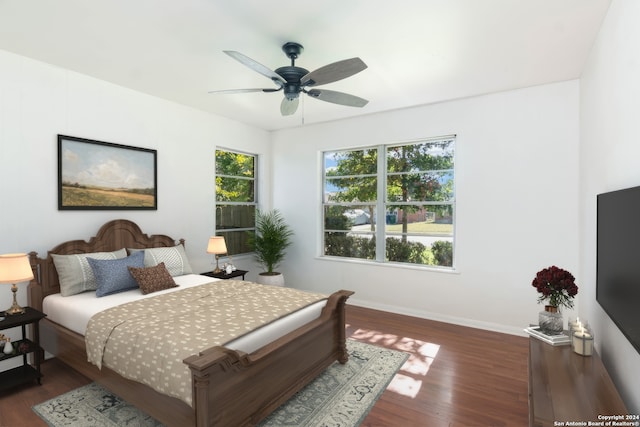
<point x="556" y="285"/>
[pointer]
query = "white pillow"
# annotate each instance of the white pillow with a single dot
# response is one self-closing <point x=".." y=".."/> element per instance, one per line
<point x="174" y="258"/>
<point x="75" y="274"/>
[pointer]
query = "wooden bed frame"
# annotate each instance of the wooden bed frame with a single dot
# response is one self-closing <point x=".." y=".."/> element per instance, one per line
<point x="230" y="388"/>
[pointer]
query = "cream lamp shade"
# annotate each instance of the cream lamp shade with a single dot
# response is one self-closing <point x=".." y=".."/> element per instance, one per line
<point x="15" y="268"/>
<point x="217" y="246"/>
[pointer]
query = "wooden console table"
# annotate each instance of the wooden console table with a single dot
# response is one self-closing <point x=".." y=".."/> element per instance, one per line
<point x="564" y="386"/>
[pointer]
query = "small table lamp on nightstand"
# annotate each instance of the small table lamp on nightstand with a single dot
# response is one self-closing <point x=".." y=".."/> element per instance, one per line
<point x="15" y="268"/>
<point x="218" y="247"/>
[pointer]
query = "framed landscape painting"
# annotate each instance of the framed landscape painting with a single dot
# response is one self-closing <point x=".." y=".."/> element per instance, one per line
<point x="100" y="175"/>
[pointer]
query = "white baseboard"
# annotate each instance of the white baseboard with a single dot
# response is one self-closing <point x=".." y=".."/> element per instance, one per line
<point x="495" y="327"/>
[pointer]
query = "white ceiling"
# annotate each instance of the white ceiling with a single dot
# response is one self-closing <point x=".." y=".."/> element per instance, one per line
<point x="417" y="51"/>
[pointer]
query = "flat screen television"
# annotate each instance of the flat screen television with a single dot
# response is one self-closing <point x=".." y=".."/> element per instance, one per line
<point x="618" y="260"/>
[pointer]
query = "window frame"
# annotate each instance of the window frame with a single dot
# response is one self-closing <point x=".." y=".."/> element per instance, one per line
<point x="382" y="204"/>
<point x="232" y="251"/>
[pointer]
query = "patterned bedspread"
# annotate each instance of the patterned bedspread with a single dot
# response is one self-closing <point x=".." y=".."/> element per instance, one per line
<point x="147" y="340"/>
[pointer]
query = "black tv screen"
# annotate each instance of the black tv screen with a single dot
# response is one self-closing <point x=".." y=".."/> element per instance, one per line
<point x="618" y="260"/>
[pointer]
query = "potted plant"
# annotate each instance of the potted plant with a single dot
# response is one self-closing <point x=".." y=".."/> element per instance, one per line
<point x="270" y="241"/>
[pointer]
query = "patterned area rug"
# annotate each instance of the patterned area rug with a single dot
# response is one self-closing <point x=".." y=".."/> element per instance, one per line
<point x="340" y="397"/>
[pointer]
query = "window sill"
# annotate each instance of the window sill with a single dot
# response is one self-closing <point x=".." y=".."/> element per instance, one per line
<point x="425" y="268"/>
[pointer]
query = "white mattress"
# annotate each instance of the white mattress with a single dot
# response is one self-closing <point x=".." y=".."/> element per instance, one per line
<point x="74" y="312"/>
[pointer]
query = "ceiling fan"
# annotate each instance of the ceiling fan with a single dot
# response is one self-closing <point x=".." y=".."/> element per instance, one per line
<point x="293" y="80"/>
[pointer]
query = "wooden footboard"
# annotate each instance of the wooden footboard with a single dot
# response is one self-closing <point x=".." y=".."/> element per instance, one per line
<point x="235" y="389"/>
<point x="230" y="388"/>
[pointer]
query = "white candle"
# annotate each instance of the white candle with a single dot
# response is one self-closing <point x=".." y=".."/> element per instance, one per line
<point x="579" y="326"/>
<point x="576" y="325"/>
<point x="583" y="342"/>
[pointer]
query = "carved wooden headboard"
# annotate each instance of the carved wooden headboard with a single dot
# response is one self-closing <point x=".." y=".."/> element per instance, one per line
<point x="113" y="235"/>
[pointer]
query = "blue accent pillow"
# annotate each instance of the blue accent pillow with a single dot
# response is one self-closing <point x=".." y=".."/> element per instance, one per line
<point x="113" y="276"/>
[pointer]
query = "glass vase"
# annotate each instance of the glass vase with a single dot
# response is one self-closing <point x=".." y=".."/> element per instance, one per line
<point x="550" y="320"/>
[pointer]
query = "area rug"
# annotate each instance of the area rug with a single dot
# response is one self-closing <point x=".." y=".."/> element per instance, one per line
<point x="340" y="397"/>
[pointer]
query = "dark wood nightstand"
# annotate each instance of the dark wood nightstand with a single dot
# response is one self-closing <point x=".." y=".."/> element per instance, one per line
<point x="224" y="275"/>
<point x="23" y="347"/>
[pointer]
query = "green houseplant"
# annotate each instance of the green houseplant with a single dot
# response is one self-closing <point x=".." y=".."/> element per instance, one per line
<point x="270" y="241"/>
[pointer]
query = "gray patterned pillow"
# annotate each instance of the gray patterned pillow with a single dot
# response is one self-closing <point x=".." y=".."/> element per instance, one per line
<point x="113" y="276"/>
<point x="174" y="258"/>
<point x="75" y="274"/>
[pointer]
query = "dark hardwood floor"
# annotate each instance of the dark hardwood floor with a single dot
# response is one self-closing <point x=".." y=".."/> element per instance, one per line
<point x="455" y="376"/>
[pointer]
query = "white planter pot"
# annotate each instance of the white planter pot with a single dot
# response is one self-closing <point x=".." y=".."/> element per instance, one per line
<point x="276" y="279"/>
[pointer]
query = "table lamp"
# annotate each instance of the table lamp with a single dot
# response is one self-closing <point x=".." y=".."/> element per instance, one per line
<point x="217" y="246"/>
<point x="15" y="268"/>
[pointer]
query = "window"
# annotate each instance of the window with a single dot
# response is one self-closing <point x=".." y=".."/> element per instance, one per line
<point x="409" y="187"/>
<point x="235" y="198"/>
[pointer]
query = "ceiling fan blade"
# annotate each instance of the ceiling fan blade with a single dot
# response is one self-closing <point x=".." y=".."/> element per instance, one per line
<point x="255" y="66"/>
<point x="333" y="72"/>
<point x="338" y="97"/>
<point x="243" y="90"/>
<point x="289" y="106"/>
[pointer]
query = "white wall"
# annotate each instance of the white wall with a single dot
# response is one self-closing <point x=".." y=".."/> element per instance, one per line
<point x="610" y="153"/>
<point x="38" y="101"/>
<point x="516" y="187"/>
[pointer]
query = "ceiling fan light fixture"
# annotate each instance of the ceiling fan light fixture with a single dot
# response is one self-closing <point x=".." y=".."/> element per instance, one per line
<point x="289" y="106"/>
<point x="291" y="91"/>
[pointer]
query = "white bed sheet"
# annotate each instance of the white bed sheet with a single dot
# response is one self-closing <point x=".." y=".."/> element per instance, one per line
<point x="74" y="312"/>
